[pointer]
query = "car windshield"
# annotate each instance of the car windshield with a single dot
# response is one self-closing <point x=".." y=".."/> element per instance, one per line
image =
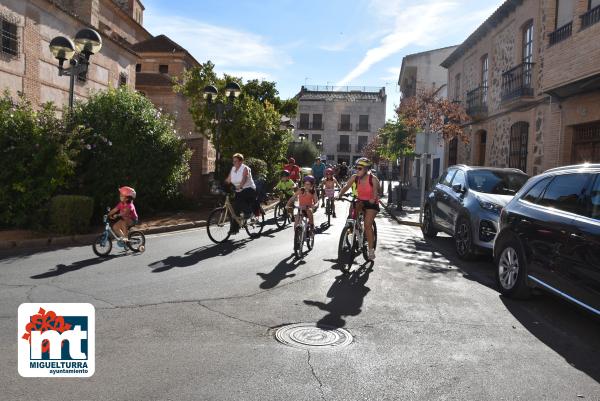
<point x="496" y="182"/>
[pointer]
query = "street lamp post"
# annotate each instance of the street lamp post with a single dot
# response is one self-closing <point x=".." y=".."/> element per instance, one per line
<point x="232" y="91"/>
<point x="78" y="52"/>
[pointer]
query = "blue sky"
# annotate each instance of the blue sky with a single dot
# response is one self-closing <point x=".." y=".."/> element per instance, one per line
<point x="327" y="42"/>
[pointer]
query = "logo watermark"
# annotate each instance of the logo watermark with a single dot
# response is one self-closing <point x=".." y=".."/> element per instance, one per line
<point x="56" y="340"/>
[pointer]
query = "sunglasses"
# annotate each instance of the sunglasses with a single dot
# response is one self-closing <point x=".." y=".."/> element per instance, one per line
<point x="359" y="169"/>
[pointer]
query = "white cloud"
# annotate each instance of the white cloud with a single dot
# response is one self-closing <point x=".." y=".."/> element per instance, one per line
<point x="248" y="75"/>
<point x="224" y="46"/>
<point x="421" y="24"/>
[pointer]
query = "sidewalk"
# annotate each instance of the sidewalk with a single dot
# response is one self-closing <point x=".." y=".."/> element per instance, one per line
<point x="164" y="222"/>
<point x="409" y="215"/>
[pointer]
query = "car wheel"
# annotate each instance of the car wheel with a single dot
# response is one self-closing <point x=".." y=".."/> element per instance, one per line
<point x="427" y="226"/>
<point x="511" y="269"/>
<point x="463" y="239"/>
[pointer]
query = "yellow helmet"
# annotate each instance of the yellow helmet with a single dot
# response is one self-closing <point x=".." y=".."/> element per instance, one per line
<point x="363" y="162"/>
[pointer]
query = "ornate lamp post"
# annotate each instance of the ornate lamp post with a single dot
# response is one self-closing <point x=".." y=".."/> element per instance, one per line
<point x="232" y="91"/>
<point x="78" y="52"/>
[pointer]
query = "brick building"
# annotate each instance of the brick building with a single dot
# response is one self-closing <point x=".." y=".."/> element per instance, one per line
<point x="27" y="65"/>
<point x="343" y="119"/>
<point x="529" y="78"/>
<point x="161" y="59"/>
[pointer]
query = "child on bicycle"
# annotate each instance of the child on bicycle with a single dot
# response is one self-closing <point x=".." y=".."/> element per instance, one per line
<point x="307" y="198"/>
<point x="328" y="189"/>
<point x="126" y="211"/>
<point x="285" y="186"/>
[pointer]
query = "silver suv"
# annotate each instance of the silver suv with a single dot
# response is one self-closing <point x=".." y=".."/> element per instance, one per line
<point x="466" y="203"/>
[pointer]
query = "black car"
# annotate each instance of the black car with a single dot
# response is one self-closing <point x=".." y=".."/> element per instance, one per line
<point x="550" y="237"/>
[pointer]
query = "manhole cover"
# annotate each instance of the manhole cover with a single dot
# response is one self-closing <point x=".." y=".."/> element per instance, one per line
<point x="309" y="336"/>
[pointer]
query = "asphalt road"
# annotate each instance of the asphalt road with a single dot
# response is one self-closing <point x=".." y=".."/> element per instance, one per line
<point x="189" y="320"/>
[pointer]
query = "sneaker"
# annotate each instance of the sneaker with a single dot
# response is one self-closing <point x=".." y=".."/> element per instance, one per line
<point x="371" y="254"/>
<point x="334" y="215"/>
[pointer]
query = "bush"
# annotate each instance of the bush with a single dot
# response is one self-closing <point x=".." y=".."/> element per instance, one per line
<point x="126" y="141"/>
<point x="305" y="153"/>
<point x="35" y="160"/>
<point x="71" y="214"/>
<point x="258" y="167"/>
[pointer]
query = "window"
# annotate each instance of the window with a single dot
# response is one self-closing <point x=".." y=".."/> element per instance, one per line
<point x="446" y="179"/>
<point x="10" y="42"/>
<point x="163" y="68"/>
<point x="566" y="192"/>
<point x="457" y="87"/>
<point x="345" y="122"/>
<point x="496" y="181"/>
<point x="528" y="43"/>
<point x="317" y="121"/>
<point x="564" y="12"/>
<point x="363" y="123"/>
<point x="459" y="178"/>
<point x="519" y="134"/>
<point x="435" y="170"/>
<point x="534" y="192"/>
<point x="138" y="68"/>
<point x="304" y="121"/>
<point x="586" y="143"/>
<point x="122" y="79"/>
<point x="595" y="199"/>
<point x="484" y="78"/>
<point x="453" y="152"/>
<point x="593" y="4"/>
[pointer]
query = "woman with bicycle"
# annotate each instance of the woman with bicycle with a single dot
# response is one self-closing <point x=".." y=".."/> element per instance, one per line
<point x="240" y="177"/>
<point x="367" y="189"/>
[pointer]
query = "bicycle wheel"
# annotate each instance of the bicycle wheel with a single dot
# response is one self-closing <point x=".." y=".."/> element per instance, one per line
<point x="102" y="245"/>
<point x="345" y="250"/>
<point x="280" y="215"/>
<point x="137" y="241"/>
<point x="298" y="243"/>
<point x="255" y="224"/>
<point x="218" y="224"/>
<point x="328" y="211"/>
<point x="310" y="240"/>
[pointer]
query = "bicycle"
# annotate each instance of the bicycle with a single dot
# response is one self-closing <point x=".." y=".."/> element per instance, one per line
<point x="280" y="213"/>
<point x="353" y="239"/>
<point x="219" y="221"/>
<point x="328" y="208"/>
<point x="136" y="240"/>
<point x="302" y="234"/>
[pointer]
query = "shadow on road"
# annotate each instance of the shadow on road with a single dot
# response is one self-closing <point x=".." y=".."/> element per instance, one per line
<point x="62" y="269"/>
<point x="280" y="272"/>
<point x="347" y="295"/>
<point x="197" y="255"/>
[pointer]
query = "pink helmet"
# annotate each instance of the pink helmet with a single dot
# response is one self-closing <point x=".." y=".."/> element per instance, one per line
<point x="127" y="191"/>
<point x="328" y="171"/>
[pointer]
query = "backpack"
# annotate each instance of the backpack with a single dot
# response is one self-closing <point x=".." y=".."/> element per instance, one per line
<point x="355" y="184"/>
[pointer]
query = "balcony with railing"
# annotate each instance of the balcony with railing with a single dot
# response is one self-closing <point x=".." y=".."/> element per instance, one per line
<point x="344" y="126"/>
<point x="561" y="33"/>
<point x="590" y="17"/>
<point x="363" y="127"/>
<point x="517" y="82"/>
<point x="477" y="102"/>
<point x="359" y="147"/>
<point x="344" y="147"/>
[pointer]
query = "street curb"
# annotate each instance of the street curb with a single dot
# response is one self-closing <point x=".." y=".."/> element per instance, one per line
<point x="86" y="239"/>
<point x="403" y="222"/>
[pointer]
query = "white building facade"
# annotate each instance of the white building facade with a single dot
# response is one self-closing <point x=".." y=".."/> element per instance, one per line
<point x="342" y="120"/>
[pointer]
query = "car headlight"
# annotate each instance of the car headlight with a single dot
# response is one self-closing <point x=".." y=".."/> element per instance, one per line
<point x="492" y="207"/>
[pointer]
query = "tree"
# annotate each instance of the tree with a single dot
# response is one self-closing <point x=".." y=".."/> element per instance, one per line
<point x="427" y="112"/>
<point x="394" y="140"/>
<point x="304" y="153"/>
<point x="251" y="125"/>
<point x="127" y="142"/>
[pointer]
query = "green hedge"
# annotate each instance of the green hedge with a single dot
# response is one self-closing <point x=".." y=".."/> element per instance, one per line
<point x="71" y="214"/>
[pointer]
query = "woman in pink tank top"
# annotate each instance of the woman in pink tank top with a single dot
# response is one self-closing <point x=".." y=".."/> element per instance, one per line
<point x="367" y="186"/>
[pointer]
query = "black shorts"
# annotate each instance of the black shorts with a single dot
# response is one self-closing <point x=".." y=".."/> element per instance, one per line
<point x="368" y="205"/>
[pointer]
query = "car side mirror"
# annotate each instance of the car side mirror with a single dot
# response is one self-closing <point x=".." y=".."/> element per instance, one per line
<point x="458" y="188"/>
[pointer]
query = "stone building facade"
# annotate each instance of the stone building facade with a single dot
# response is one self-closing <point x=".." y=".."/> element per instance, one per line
<point x="130" y="56"/>
<point x="161" y="60"/>
<point x="27" y="65"/>
<point x="343" y="119"/>
<point x="419" y="72"/>
<point x="528" y="79"/>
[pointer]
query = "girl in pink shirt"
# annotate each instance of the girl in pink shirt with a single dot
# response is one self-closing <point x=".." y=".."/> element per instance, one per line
<point x="126" y="210"/>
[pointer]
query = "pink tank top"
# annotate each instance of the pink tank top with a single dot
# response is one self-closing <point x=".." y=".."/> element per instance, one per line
<point x="305" y="198"/>
<point x="364" y="188"/>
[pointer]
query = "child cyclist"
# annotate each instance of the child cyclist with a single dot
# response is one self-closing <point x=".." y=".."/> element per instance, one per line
<point x="307" y="198"/>
<point x="367" y="189"/>
<point x="126" y="211"/>
<point x="285" y="186"/>
<point x="328" y="189"/>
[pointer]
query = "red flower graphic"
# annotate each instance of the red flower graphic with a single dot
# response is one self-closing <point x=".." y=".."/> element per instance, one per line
<point x="43" y="321"/>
